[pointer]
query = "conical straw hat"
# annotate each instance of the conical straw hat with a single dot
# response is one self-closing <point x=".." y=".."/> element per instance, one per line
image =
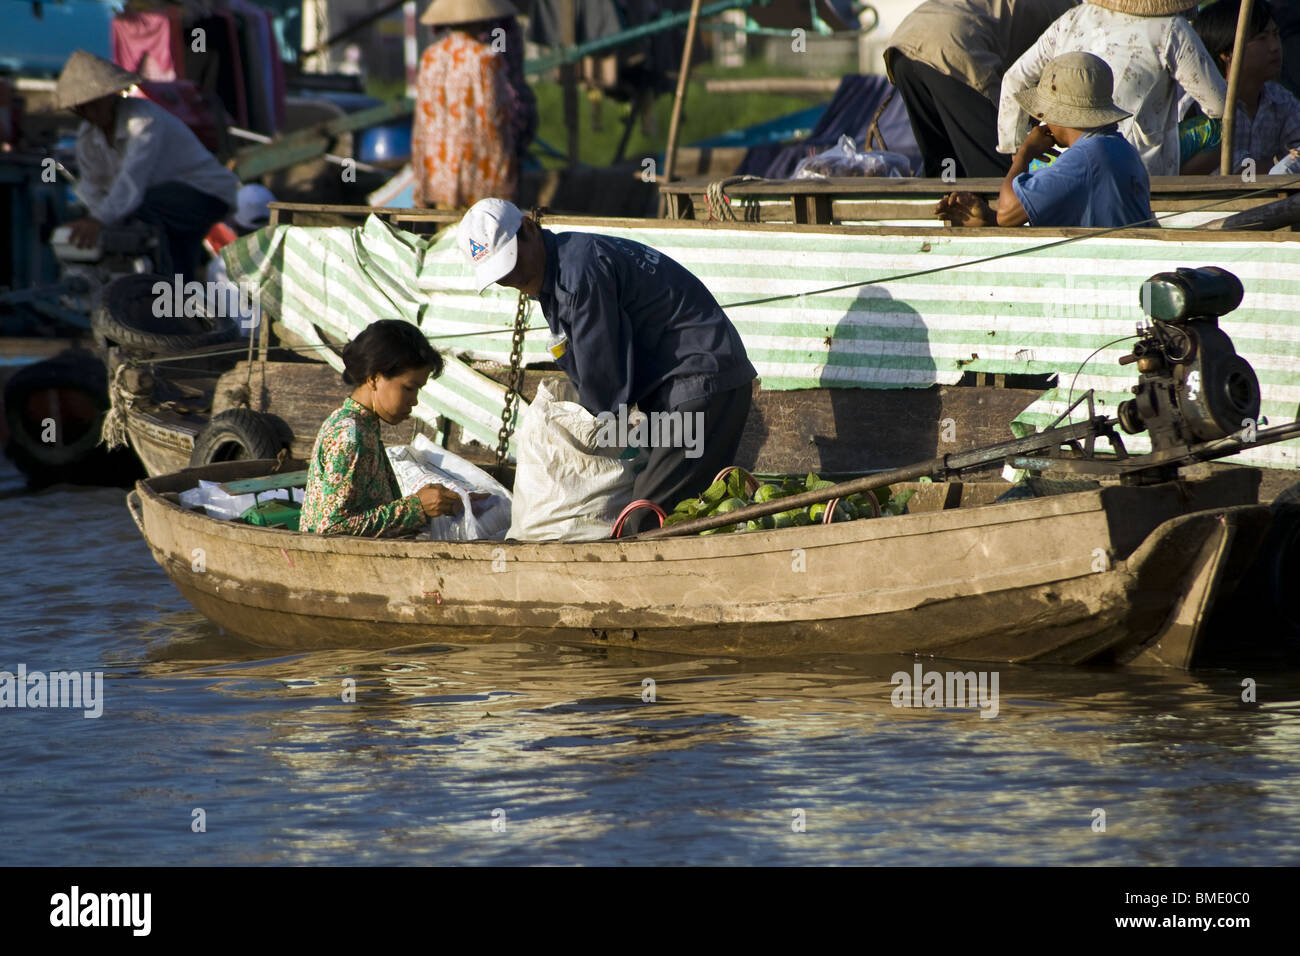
<point x="442" y="12"/>
<point x="1146" y="8"/>
<point x="87" y="77"/>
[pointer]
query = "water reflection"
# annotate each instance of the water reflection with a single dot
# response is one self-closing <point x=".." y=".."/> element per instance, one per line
<point x="795" y="761"/>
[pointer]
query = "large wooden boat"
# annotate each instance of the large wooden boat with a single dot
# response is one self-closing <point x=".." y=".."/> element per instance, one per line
<point x="993" y="325"/>
<point x="1116" y="574"/>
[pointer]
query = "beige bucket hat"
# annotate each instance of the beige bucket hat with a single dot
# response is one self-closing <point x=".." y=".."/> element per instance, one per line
<point x="87" y="77"/>
<point x="1075" y="90"/>
<point x="445" y="12"/>
<point x="1146" y="8"/>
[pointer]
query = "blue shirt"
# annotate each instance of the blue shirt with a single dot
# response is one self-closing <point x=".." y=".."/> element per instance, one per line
<point x="1099" y="181"/>
<point x="640" y="329"/>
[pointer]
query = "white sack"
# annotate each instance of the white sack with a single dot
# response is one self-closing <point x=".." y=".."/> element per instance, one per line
<point x="567" y="487"/>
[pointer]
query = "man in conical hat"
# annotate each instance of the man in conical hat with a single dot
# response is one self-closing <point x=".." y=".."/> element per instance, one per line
<point x="138" y="161"/>
<point x="474" y="112"/>
<point x="1155" y="56"/>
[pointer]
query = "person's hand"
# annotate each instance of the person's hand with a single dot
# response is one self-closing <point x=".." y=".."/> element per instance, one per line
<point x="85" y="232"/>
<point x="439" y="500"/>
<point x="1039" y="144"/>
<point x="965" y="209"/>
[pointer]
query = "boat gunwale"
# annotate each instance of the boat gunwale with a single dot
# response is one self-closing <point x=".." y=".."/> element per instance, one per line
<point x="685" y="548"/>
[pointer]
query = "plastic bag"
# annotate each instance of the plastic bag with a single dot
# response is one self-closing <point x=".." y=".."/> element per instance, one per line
<point x="843" y="159"/>
<point x="568" y="486"/>
<point x="422" y="462"/>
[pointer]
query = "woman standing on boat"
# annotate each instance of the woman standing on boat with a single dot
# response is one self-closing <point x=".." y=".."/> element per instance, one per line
<point x="474" y="113"/>
<point x="351" y="488"/>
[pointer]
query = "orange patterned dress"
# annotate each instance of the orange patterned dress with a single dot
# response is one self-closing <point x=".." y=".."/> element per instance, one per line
<point x="462" y="144"/>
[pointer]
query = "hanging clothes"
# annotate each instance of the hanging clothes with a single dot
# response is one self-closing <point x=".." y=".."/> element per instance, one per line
<point x="142" y="43"/>
<point x="216" y="66"/>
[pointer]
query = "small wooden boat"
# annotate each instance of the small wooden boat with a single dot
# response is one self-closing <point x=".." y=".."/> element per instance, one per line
<point x="1120" y="574"/>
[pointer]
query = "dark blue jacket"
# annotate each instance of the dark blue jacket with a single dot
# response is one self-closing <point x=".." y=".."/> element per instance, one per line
<point x="641" y="329"/>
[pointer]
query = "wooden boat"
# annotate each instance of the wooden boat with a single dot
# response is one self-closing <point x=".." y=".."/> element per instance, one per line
<point x="1115" y="574"/>
<point x="856" y="381"/>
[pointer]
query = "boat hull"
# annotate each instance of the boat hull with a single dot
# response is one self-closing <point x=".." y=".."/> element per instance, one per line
<point x="1090" y="576"/>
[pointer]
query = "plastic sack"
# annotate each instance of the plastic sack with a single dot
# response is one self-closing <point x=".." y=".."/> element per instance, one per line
<point x="568" y="487"/>
<point x="422" y="462"/>
<point x="843" y="159"/>
<point x="228" y="507"/>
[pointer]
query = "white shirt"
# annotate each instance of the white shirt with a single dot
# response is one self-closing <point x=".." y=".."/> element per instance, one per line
<point x="1151" y="58"/>
<point x="150" y="147"/>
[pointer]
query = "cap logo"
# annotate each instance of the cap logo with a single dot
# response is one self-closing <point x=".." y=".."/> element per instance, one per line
<point x="477" y="250"/>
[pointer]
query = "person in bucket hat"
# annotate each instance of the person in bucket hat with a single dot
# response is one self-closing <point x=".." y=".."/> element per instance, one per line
<point x="1098" y="181"/>
<point x="137" y="161"/>
<point x="474" y="113"/>
<point x="1154" y="55"/>
<point x="629" y="326"/>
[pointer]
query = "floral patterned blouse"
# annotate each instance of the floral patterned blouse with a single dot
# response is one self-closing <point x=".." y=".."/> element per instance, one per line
<point x="1151" y="58"/>
<point x="463" y="143"/>
<point x="351" y="488"/>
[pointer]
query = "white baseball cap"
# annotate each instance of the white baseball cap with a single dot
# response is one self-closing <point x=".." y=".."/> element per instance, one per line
<point x="252" y="206"/>
<point x="487" y="237"/>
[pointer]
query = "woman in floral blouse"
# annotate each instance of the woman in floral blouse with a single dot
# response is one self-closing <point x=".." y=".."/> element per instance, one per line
<point x="351" y="488"/>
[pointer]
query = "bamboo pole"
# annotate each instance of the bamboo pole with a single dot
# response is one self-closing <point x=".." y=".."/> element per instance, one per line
<point x="683" y="75"/>
<point x="1234" y="75"/>
<point x="569" y="79"/>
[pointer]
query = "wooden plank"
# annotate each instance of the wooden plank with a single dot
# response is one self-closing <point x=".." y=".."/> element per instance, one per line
<point x="256" y="486"/>
<point x="1281" y="214"/>
<point x="786" y="85"/>
<point x="885" y="187"/>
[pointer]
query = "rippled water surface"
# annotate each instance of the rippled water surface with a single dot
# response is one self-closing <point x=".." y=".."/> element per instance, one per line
<point x="557" y="748"/>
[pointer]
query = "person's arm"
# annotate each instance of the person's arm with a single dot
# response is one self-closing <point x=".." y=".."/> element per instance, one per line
<point x="88" y="189"/>
<point x="146" y="142"/>
<point x="1037" y="143"/>
<point x="1023" y="74"/>
<point x="1192" y="68"/>
<point x="340" y="457"/>
<point x="1204" y="163"/>
<point x="1289" y="138"/>
<point x="600" y="338"/>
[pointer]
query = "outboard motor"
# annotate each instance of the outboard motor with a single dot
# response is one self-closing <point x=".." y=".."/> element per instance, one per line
<point x="1192" y="386"/>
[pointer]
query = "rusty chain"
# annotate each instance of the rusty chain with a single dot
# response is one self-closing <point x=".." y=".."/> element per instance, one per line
<point x="515" y="383"/>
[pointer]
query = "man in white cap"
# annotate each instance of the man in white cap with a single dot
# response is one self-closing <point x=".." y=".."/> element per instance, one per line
<point x="630" y="326"/>
<point x="136" y="160"/>
<point x="1098" y="181"/>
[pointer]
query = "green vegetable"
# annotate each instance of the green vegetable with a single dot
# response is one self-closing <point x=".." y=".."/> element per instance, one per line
<point x="714" y="493"/>
<point x="768" y="492"/>
<point x="817" y="512"/>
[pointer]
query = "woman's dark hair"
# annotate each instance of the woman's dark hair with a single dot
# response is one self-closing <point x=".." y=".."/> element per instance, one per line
<point x="1217" y="25"/>
<point x="388" y="347"/>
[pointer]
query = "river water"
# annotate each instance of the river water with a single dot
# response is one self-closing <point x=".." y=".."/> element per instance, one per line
<point x="210" y="750"/>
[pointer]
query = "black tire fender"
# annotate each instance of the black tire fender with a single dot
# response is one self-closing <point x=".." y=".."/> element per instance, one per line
<point x="125" y="318"/>
<point x="237" y="434"/>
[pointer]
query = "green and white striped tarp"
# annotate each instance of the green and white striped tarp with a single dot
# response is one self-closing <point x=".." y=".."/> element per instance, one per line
<point x="1043" y="311"/>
